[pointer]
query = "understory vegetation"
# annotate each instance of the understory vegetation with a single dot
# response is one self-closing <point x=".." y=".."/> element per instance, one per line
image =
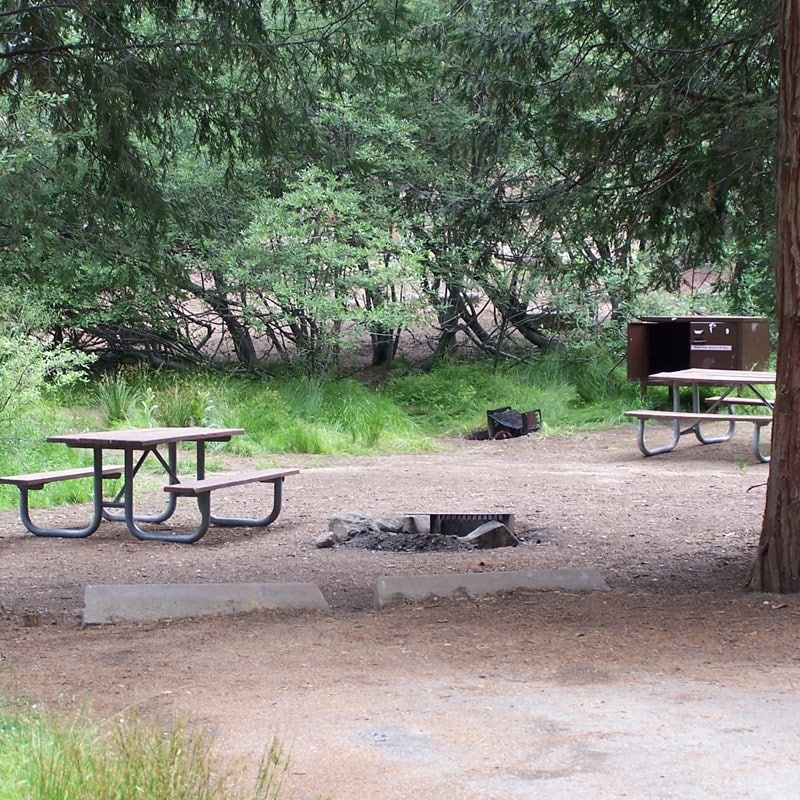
<point x="44" y="757"/>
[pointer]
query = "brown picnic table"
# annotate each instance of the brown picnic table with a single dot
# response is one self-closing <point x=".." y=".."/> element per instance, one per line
<point x="137" y="446"/>
<point x="721" y="408"/>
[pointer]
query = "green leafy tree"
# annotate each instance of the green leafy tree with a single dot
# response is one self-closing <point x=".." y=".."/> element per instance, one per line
<point x="628" y="145"/>
<point x="316" y="260"/>
<point x="29" y="366"/>
<point x="549" y="161"/>
<point x="660" y="123"/>
<point x="462" y="191"/>
<point x="97" y="100"/>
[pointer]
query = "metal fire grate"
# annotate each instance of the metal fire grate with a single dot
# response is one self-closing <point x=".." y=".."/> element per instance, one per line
<point x="462" y="524"/>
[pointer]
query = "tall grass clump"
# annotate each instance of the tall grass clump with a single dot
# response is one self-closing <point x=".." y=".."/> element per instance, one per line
<point x="572" y="389"/>
<point x="117" y="396"/>
<point x="42" y="758"/>
<point x="443" y="399"/>
<point x="589" y="375"/>
<point x="453" y="398"/>
<point x="324" y="416"/>
<point x="180" y="408"/>
<point x="145" y="398"/>
<point x="367" y="419"/>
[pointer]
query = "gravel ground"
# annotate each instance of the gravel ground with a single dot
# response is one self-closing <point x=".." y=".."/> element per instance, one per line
<point x="675" y="683"/>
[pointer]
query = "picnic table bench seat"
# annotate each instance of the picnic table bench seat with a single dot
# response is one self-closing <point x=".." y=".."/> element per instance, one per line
<point x="201" y="489"/>
<point x="699" y="416"/>
<point x="38" y="480"/>
<point x="737" y="401"/>
<point x="225" y="480"/>
<point x="694" y="419"/>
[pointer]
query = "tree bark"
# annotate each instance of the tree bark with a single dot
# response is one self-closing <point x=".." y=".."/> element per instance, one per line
<point x="777" y="566"/>
<point x="217" y="299"/>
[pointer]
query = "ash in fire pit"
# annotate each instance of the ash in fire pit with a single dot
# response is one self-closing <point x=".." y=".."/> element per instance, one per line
<point x="420" y="532"/>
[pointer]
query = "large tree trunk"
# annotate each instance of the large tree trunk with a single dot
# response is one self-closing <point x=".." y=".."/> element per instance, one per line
<point x="777" y="567"/>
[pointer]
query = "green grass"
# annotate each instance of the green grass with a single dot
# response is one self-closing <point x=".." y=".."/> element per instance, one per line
<point x="410" y="412"/>
<point x="454" y="398"/>
<point x="45" y="758"/>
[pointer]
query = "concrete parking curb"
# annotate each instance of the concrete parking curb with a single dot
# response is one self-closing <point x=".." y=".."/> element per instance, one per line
<point x="107" y="603"/>
<point x="390" y="589"/>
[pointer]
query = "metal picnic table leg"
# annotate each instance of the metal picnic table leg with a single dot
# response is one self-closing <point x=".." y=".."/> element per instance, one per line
<point x="128" y="495"/>
<point x="234" y="522"/>
<point x="655" y="451"/>
<point x="170" y="467"/>
<point x="69" y="533"/>
<point x="204" y="500"/>
<point x="725" y="437"/>
<point x="676" y="428"/>
<point x="131" y="520"/>
<point x="762" y="457"/>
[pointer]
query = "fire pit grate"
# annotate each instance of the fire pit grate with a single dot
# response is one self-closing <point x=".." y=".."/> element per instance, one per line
<point x="459" y="524"/>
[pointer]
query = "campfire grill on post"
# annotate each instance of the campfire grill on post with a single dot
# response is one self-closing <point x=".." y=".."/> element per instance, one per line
<point x="504" y="423"/>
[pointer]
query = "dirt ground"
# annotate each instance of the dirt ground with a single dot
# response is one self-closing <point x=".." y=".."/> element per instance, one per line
<point x="675" y="683"/>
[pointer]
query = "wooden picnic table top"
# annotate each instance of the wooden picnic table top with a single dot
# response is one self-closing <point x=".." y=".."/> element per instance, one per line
<point x="714" y="377"/>
<point x="144" y="438"/>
